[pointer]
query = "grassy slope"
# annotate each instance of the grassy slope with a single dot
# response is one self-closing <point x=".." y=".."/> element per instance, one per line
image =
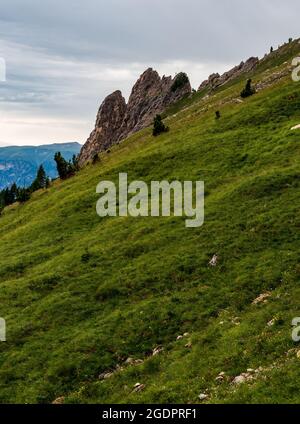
<point x="81" y="294"/>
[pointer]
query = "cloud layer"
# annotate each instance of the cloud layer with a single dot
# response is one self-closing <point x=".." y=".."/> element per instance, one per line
<point x="64" y="57"/>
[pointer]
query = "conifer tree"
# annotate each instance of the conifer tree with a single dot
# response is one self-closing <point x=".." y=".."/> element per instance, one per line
<point x="158" y="126"/>
<point x="40" y="180"/>
<point x="248" y="90"/>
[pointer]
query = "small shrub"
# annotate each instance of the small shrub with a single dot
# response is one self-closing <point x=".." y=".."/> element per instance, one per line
<point x="248" y="90"/>
<point x="158" y="126"/>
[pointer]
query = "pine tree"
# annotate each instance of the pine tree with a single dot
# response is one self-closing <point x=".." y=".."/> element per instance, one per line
<point x="23" y="195"/>
<point x="75" y="162"/>
<point x="66" y="169"/>
<point x="248" y="90"/>
<point x="9" y="197"/>
<point x="13" y="192"/>
<point x="40" y="180"/>
<point x="158" y="126"/>
<point x="41" y="177"/>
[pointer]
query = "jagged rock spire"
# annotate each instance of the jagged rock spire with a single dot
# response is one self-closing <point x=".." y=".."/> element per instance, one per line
<point x="150" y="95"/>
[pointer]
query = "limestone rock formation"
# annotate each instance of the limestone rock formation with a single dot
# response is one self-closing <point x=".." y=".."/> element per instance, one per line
<point x="150" y="95"/>
<point x="107" y="129"/>
<point x="216" y="80"/>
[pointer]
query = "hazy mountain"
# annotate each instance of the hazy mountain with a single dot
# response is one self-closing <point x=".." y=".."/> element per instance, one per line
<point x="19" y="163"/>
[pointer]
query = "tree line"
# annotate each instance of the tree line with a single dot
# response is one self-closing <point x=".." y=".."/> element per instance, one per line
<point x="14" y="193"/>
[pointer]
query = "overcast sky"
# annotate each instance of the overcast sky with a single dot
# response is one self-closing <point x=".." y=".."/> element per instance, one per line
<point x="64" y="56"/>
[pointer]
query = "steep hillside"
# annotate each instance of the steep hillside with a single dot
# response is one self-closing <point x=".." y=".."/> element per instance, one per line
<point x="83" y="294"/>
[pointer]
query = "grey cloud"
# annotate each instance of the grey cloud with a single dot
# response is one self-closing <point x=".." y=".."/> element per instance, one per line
<point x="63" y="57"/>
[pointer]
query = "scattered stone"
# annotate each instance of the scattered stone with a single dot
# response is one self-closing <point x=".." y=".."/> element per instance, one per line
<point x="261" y="298"/>
<point x="132" y="361"/>
<point x="186" y="335"/>
<point x="119" y="368"/>
<point x="157" y="350"/>
<point x="221" y="376"/>
<point x="138" y="387"/>
<point x="214" y="260"/>
<point x="203" y="396"/>
<point x="59" y="401"/>
<point x="243" y="378"/>
<point x="188" y="345"/>
<point x="236" y="321"/>
<point x="105" y="375"/>
<point x="272" y="79"/>
<point x="272" y="322"/>
<point x="179" y="337"/>
<point x="296" y="127"/>
<point x="240" y="379"/>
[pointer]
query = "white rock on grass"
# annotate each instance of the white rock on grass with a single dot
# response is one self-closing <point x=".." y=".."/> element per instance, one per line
<point x="214" y="260"/>
<point x="138" y="387"/>
<point x="157" y="350"/>
<point x="261" y="298"/>
<point x="243" y="378"/>
<point x="272" y="322"/>
<point x="105" y="375"/>
<point x="296" y="127"/>
<point x="240" y="379"/>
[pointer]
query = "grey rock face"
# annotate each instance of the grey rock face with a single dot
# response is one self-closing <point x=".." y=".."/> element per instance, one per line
<point x="150" y="95"/>
<point x="216" y="80"/>
<point x="107" y="128"/>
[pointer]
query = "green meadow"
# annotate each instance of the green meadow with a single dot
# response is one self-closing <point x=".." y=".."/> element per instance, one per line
<point x="82" y="294"/>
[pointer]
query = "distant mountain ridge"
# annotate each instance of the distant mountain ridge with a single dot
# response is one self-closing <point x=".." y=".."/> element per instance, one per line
<point x="20" y="163"/>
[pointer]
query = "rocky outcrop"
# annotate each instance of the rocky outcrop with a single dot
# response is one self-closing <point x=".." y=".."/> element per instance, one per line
<point x="150" y="96"/>
<point x="215" y="80"/>
<point x="107" y="129"/>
